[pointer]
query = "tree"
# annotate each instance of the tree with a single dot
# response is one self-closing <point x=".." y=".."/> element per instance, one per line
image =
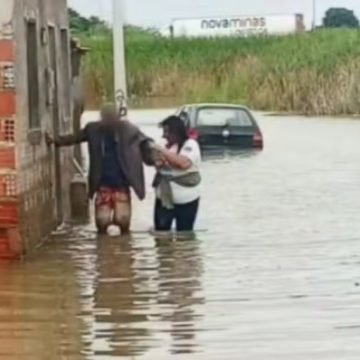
<point x="340" y="17"/>
<point x="77" y="22"/>
<point x="80" y="24"/>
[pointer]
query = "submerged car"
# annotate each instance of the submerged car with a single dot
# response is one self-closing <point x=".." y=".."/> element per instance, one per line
<point x="215" y="125"/>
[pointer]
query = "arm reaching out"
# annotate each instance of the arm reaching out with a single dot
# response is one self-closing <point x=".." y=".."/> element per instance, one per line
<point x="68" y="140"/>
<point x="148" y="152"/>
<point x="177" y="161"/>
<point x="189" y="155"/>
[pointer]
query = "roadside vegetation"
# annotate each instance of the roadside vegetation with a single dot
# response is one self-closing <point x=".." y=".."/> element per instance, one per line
<point x="315" y="72"/>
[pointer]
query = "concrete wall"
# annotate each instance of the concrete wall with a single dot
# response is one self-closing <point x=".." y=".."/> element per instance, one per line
<point x="31" y="193"/>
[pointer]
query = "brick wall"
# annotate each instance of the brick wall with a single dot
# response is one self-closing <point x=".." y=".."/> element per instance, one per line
<point x="9" y="220"/>
<point x="28" y="186"/>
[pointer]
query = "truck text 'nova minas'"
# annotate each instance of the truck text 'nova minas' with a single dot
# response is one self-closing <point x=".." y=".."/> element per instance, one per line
<point x="236" y="26"/>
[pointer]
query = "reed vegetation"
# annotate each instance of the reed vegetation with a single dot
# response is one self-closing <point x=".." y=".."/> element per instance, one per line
<point x="310" y="73"/>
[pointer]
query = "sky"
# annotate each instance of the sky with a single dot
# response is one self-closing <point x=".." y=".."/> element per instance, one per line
<point x="158" y="13"/>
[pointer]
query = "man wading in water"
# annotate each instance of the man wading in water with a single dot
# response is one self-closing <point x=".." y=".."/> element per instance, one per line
<point x="117" y="150"/>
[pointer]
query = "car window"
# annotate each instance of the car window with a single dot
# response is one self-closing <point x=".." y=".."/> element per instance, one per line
<point x="223" y="117"/>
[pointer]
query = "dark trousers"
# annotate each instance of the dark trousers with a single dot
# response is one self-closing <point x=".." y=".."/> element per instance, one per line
<point x="184" y="215"/>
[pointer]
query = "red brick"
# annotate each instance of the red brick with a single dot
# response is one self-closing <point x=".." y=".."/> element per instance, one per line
<point x="4" y="248"/>
<point x="15" y="244"/>
<point x="8" y="213"/>
<point x="7" y="103"/>
<point x="7" y="76"/>
<point x="6" y="50"/>
<point x="8" y="185"/>
<point x="4" y="244"/>
<point x="7" y="129"/>
<point x="11" y="246"/>
<point x="7" y="158"/>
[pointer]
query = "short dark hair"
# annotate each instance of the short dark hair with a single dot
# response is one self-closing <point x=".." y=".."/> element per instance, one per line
<point x="176" y="127"/>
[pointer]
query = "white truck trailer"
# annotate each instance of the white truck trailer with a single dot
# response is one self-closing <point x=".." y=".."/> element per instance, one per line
<point x="236" y="26"/>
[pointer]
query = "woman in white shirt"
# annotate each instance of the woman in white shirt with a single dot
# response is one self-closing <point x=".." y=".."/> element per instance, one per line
<point x="177" y="183"/>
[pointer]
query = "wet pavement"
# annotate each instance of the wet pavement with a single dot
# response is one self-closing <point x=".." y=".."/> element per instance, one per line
<point x="272" y="274"/>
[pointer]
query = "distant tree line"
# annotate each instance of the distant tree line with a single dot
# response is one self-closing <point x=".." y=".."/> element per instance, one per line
<point x="94" y="26"/>
<point x="83" y="25"/>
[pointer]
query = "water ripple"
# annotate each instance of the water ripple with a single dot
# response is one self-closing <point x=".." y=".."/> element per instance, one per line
<point x="274" y="276"/>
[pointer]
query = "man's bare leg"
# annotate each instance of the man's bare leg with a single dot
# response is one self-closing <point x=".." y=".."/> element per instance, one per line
<point x="103" y="217"/>
<point x="122" y="216"/>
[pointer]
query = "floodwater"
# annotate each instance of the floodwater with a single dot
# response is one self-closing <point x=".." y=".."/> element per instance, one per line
<point x="273" y="272"/>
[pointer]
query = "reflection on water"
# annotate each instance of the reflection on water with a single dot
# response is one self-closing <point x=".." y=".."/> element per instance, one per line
<point x="137" y="295"/>
<point x="180" y="291"/>
<point x="39" y="304"/>
<point x="275" y="276"/>
<point x="115" y="306"/>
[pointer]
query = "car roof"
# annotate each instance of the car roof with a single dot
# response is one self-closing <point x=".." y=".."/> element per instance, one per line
<point x="216" y="105"/>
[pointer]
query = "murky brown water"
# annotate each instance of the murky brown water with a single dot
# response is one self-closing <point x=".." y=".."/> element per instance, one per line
<point x="275" y="276"/>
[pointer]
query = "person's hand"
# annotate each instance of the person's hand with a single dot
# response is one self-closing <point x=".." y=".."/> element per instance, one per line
<point x="158" y="163"/>
<point x="159" y="148"/>
<point x="49" y="139"/>
<point x="159" y="160"/>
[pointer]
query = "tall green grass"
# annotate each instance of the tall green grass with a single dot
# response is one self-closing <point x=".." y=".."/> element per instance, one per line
<point x="310" y="73"/>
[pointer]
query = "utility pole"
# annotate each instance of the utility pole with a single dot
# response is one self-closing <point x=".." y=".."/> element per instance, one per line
<point x="119" y="48"/>
<point x="314" y="14"/>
